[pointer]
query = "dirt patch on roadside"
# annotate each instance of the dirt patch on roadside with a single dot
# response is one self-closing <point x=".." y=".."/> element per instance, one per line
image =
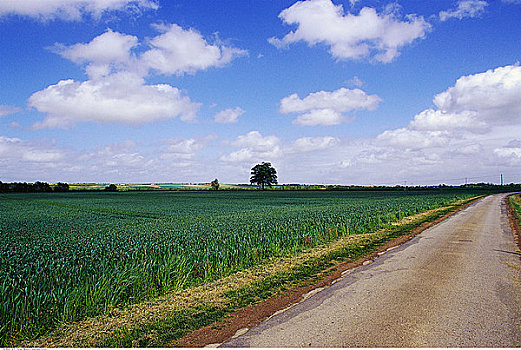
<point x="248" y="317"/>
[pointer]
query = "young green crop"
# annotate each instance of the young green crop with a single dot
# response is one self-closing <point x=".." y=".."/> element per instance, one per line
<point x="67" y="256"/>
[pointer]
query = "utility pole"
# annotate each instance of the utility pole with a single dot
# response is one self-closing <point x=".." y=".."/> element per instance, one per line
<point x="501" y="179"/>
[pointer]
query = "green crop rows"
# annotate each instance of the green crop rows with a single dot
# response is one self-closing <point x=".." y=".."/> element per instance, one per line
<point x="67" y="256"/>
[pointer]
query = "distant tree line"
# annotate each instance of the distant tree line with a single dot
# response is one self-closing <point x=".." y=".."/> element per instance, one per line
<point x="38" y="186"/>
<point x="512" y="187"/>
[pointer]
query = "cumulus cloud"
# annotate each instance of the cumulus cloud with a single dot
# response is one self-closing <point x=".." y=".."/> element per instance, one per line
<point x="174" y="51"/>
<point x="118" y="98"/>
<point x="463" y="133"/>
<point x="475" y="105"/>
<point x="253" y="147"/>
<point x="71" y="10"/>
<point x="326" y="108"/>
<point x="178" y="51"/>
<point x="108" y="52"/>
<point x="465" y="8"/>
<point x="438" y="120"/>
<point x="494" y="95"/>
<point x="351" y="36"/>
<point x="229" y="115"/>
<point x="6" y="110"/>
<point x="116" y="91"/>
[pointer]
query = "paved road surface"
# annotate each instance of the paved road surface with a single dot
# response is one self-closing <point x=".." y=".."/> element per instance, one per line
<point x="458" y="284"/>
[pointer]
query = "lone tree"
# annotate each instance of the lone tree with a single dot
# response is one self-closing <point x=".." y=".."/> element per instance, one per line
<point x="263" y="174"/>
<point x="111" y="188"/>
<point x="215" y="184"/>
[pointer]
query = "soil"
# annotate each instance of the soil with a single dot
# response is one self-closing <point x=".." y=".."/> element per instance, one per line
<point x="248" y="317"/>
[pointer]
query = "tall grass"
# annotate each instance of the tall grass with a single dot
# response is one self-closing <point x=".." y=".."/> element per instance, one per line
<point x="68" y="256"/>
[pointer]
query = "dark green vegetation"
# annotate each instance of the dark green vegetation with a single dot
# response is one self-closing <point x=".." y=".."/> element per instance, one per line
<point x="67" y="256"/>
<point x="263" y="174"/>
<point x="24" y="187"/>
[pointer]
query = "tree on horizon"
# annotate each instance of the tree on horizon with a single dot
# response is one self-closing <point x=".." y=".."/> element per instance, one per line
<point x="263" y="174"/>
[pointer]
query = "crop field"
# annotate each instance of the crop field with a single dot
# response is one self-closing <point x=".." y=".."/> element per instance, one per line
<point x="67" y="256"/>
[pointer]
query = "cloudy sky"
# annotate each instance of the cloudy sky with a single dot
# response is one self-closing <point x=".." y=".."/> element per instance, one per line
<point x="333" y="92"/>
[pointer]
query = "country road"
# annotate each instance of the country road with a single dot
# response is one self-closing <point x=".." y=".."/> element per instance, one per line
<point x="457" y="284"/>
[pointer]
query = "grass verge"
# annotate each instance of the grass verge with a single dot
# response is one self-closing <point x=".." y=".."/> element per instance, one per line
<point x="514" y="213"/>
<point x="163" y="321"/>
<point x="515" y="203"/>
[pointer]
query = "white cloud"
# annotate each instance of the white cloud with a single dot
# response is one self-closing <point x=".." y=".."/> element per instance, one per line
<point x="122" y="155"/>
<point x="355" y="81"/>
<point x="6" y="110"/>
<point x="71" y="10"/>
<point x="178" y="51"/>
<point x="242" y="155"/>
<point x="116" y="91"/>
<point x="256" y="142"/>
<point x="462" y="133"/>
<point x="104" y="54"/>
<point x="474" y="106"/>
<point x="229" y="115"/>
<point x="22" y="160"/>
<point x="471" y="131"/>
<point x="406" y="138"/>
<point x="118" y="98"/>
<point x="325" y="117"/>
<point x="302" y="160"/>
<point x="466" y="8"/>
<point x="350" y="36"/>
<point x="494" y="95"/>
<point x="180" y="148"/>
<point x="254" y="147"/>
<point x="310" y="144"/>
<point x="174" y="51"/>
<point x="341" y="100"/>
<point x="326" y="108"/>
<point x="436" y="120"/>
<point x="510" y="154"/>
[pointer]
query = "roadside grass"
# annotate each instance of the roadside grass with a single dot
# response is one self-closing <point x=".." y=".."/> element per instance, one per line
<point x="515" y="204"/>
<point x="164" y="320"/>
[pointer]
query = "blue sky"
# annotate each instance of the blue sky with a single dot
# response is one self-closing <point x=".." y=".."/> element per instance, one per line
<point x="334" y="92"/>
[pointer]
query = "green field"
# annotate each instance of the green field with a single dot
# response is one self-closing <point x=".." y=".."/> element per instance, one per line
<point x="67" y="256"/>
